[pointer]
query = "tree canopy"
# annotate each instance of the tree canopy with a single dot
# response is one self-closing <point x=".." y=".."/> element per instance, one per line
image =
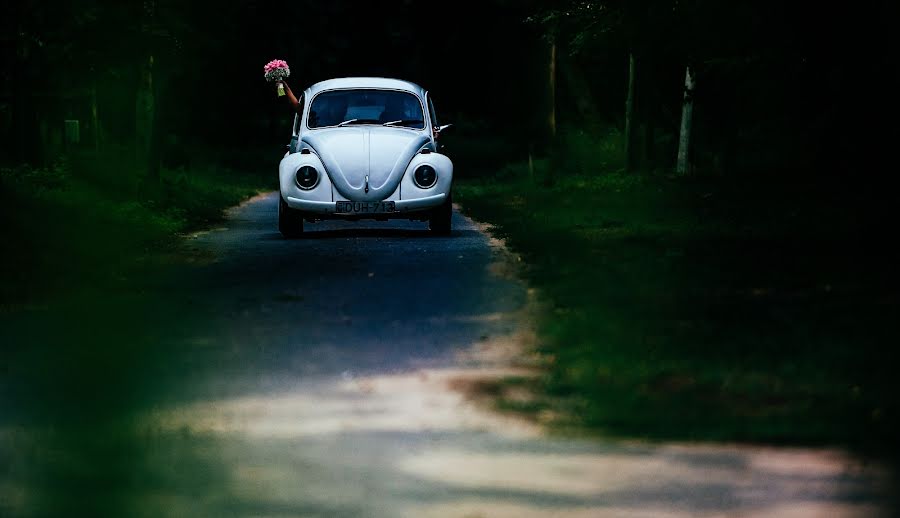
<point x="776" y="82"/>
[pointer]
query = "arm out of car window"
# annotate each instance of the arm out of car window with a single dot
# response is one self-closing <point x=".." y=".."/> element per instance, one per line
<point x="295" y="103"/>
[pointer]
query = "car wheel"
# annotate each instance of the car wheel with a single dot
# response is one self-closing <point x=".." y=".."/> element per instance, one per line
<point x="439" y="223"/>
<point x="290" y="221"/>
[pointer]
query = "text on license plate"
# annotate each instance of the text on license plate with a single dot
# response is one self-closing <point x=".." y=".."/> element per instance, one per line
<point x="364" y="207"/>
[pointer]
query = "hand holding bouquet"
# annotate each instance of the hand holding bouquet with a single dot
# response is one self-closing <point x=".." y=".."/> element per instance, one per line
<point x="277" y="70"/>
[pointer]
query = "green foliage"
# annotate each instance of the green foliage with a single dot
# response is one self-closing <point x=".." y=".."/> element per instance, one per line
<point x="73" y="226"/>
<point x="684" y="310"/>
<point x="580" y="152"/>
<point x="575" y="152"/>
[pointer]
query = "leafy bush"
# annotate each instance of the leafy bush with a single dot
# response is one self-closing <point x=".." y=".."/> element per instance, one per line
<point x="581" y="152"/>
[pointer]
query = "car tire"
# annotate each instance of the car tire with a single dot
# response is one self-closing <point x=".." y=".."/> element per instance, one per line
<point x="440" y="220"/>
<point x="290" y="221"/>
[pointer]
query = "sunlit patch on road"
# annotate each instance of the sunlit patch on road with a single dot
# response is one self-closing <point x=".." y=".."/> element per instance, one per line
<point x="427" y="451"/>
<point x="410" y="403"/>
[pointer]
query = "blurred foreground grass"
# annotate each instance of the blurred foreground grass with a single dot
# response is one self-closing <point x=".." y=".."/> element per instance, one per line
<point x="93" y="320"/>
<point x="723" y="309"/>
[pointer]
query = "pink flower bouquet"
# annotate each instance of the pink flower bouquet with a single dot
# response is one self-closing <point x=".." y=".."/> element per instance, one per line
<point x="277" y="70"/>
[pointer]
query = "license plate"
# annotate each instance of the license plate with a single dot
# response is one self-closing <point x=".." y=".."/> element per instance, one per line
<point x="364" y="207"/>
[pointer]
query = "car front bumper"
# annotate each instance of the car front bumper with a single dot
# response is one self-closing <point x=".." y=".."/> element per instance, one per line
<point x="404" y="207"/>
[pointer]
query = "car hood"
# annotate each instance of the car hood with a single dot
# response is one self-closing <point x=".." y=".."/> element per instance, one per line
<point x="349" y="154"/>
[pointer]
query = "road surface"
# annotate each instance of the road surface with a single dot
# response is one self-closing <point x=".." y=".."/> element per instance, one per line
<point x="315" y="378"/>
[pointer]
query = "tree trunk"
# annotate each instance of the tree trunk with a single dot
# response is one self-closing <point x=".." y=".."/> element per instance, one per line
<point x="95" y="118"/>
<point x="577" y="88"/>
<point x="531" y="162"/>
<point x="25" y="127"/>
<point x="154" y="155"/>
<point x="550" y="175"/>
<point x="147" y="130"/>
<point x="649" y="101"/>
<point x="147" y="111"/>
<point x="687" y="111"/>
<point x="551" y="116"/>
<point x="629" y="115"/>
<point x="143" y="112"/>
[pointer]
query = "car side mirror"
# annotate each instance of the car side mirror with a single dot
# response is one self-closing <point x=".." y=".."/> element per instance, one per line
<point x="443" y="128"/>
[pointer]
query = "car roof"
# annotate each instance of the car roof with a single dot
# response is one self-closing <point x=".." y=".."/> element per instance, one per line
<point x="366" y="82"/>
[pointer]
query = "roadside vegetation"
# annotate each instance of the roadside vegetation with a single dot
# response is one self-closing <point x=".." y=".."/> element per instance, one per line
<point x="741" y="309"/>
<point x="87" y="222"/>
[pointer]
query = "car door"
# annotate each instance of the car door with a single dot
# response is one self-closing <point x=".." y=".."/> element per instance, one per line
<point x="432" y="116"/>
<point x="297" y="127"/>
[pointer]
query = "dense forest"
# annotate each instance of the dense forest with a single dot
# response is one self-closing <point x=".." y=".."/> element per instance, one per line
<point x="789" y="87"/>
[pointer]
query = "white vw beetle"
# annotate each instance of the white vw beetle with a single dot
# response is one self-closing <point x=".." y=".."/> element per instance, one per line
<point x="365" y="148"/>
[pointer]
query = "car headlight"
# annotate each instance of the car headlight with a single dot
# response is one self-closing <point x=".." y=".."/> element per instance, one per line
<point x="307" y="177"/>
<point x="425" y="176"/>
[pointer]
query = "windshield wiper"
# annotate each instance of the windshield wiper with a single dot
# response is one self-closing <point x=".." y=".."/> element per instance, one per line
<point x="348" y="121"/>
<point x="404" y="122"/>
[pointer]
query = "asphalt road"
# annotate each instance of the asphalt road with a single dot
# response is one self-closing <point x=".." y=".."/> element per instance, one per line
<point x="315" y="377"/>
<point x="348" y="299"/>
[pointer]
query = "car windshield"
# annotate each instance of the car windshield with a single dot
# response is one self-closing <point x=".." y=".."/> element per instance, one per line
<point x="366" y="106"/>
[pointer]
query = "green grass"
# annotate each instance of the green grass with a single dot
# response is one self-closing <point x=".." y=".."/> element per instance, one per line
<point x="714" y="309"/>
<point x="90" y="223"/>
